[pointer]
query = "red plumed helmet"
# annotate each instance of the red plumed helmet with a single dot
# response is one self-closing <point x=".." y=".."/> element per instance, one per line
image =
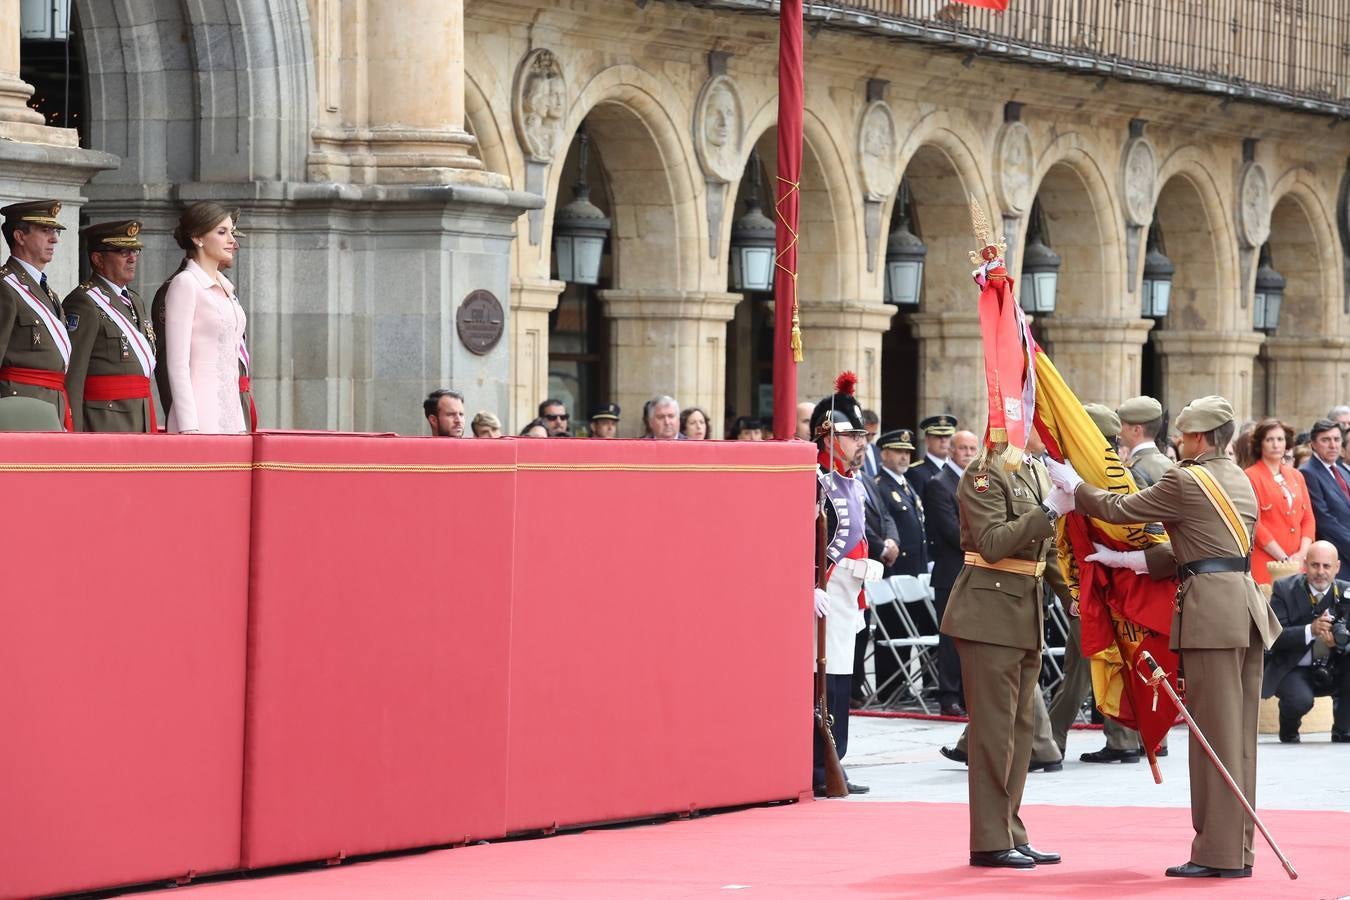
<point x="840" y="411"/>
<point x="845" y="383"/>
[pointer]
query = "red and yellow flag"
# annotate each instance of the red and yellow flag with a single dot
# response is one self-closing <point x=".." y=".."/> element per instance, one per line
<point x="996" y="5"/>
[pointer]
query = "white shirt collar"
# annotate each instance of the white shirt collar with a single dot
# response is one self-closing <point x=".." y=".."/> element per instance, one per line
<point x="951" y="464"/>
<point x="32" y="270"/>
<point x="116" y="288"/>
<point x="898" y="476"/>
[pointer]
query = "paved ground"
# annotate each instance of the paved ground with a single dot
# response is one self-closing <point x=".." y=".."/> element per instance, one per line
<point x="899" y="760"/>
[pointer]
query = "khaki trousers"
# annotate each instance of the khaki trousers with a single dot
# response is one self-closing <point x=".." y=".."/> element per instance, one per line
<point x="1223" y="694"/>
<point x="1000" y="685"/>
<point x="1043" y="747"/>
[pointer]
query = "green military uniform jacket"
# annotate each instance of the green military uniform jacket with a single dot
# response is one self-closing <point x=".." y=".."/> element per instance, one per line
<point x="1218" y="609"/>
<point x="99" y="347"/>
<point x="1001" y="518"/>
<point x="25" y="341"/>
<point x="1147" y="465"/>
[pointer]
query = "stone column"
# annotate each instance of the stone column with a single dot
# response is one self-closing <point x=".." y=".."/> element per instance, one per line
<point x="531" y="303"/>
<point x="1198" y="363"/>
<point x="1099" y="358"/>
<point x="1306" y="377"/>
<point x="951" y="367"/>
<point x="838" y="337"/>
<point x="17" y="121"/>
<point x="668" y="342"/>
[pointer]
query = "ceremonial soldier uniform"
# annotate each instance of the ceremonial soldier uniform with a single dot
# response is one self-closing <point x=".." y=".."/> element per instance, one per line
<point x="112" y="343"/>
<point x="996" y="616"/>
<point x="1222" y="626"/>
<point x="34" y="341"/>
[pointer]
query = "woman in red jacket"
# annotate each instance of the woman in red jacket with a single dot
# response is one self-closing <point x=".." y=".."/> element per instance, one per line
<point x="1284" y="525"/>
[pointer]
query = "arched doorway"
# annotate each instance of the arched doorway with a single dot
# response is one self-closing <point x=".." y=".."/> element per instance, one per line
<point x="749" y="356"/>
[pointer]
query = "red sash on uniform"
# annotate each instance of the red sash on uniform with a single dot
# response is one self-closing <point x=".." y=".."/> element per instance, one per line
<point x="43" y="378"/>
<point x="121" y="387"/>
<point x="246" y="387"/>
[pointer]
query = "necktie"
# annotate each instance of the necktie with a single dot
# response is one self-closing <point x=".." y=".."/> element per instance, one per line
<point x="1340" y="480"/>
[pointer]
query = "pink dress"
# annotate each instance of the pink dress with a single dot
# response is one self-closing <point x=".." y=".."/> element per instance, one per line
<point x="203" y="326"/>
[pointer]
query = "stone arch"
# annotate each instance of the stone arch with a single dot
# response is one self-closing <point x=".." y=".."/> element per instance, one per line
<point x="493" y="148"/>
<point x="1305" y="249"/>
<point x="1197" y="229"/>
<point x="233" y="103"/>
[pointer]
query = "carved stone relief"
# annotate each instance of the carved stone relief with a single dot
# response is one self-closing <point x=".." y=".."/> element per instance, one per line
<point x="539" y="105"/>
<point x="1138" y="181"/>
<point x="1015" y="168"/>
<point x="1253" y="212"/>
<point x="876" y="152"/>
<point x="718" y="122"/>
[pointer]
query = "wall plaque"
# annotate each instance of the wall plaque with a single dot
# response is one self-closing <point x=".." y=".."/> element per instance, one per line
<point x="479" y="321"/>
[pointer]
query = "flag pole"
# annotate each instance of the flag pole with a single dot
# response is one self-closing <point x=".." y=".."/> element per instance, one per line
<point x="787" y="340"/>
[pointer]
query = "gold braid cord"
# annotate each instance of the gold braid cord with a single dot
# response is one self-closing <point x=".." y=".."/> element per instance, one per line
<point x="793" y="188"/>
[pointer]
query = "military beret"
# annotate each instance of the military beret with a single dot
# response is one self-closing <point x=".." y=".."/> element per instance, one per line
<point x="1140" y="411"/>
<point x="899" y="439"/>
<point x="943" y="425"/>
<point x="605" y="411"/>
<point x="1107" y="422"/>
<point x="36" y="212"/>
<point x="124" y="235"/>
<point x="1204" y="414"/>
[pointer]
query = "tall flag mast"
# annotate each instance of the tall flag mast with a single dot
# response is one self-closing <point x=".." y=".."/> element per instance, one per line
<point x="787" y="332"/>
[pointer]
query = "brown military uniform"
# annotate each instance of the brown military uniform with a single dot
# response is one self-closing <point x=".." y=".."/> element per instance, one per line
<point x="1147" y="465"/>
<point x="997" y="619"/>
<point x="25" y="340"/>
<point x="100" y="348"/>
<point x="1222" y="627"/>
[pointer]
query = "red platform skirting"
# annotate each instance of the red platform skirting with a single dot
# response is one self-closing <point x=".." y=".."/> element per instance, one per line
<point x="332" y="645"/>
<point x="122" y="629"/>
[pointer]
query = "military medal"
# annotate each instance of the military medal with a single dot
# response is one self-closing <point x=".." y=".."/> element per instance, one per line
<point x="126" y="349"/>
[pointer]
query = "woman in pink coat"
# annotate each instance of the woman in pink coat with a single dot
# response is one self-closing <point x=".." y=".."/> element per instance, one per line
<point x="204" y="327"/>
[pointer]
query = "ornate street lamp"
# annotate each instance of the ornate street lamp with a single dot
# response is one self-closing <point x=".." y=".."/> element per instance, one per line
<point x="1269" y="294"/>
<point x="1155" y="295"/>
<point x="905" y="253"/>
<point x="752" y="240"/>
<point x="1040" y="267"/>
<point x="580" y="228"/>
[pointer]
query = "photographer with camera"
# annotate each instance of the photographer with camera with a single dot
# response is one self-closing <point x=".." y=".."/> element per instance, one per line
<point x="1308" y="659"/>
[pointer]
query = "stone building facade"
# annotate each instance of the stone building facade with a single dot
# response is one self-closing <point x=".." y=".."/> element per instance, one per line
<point x="392" y="157"/>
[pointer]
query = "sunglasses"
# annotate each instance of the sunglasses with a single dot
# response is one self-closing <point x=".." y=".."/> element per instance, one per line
<point x="554" y="417"/>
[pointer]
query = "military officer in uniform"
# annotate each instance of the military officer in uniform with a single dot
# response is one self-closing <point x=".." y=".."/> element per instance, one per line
<point x="1141" y="419"/>
<point x="34" y="341"/>
<point x="1222" y="625"/>
<point x="901" y="502"/>
<point x="937" y="436"/>
<point x="997" y="619"/>
<point x="112" y="357"/>
<point x="605" y="420"/>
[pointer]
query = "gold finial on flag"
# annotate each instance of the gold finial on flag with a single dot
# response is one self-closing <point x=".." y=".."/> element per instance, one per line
<point x="990" y="249"/>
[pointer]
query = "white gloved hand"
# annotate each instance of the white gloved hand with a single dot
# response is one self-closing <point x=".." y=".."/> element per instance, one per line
<point x="1059" y="500"/>
<point x="1063" y="475"/>
<point x="1119" y="559"/>
<point x="822" y="603"/>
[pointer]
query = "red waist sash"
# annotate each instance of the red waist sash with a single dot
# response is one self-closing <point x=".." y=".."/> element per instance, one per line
<point x="120" y="387"/>
<point x="43" y="378"/>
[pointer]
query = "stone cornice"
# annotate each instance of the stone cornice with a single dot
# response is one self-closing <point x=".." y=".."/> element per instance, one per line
<point x="657" y="304"/>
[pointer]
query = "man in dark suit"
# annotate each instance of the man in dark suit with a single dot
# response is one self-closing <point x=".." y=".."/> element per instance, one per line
<point x="1308" y="606"/>
<point x="905" y="509"/>
<point x="1328" y="480"/>
<point x="872" y="458"/>
<point x="937" y="437"/>
<point x="944" y="547"/>
<point x="883" y="546"/>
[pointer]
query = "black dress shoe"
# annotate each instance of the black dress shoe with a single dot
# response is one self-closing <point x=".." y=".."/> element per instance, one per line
<point x="1107" y="755"/>
<point x="953" y="710"/>
<point x="857" y="788"/>
<point x="1195" y="870"/>
<point x="1160" y="752"/>
<point x="819" y="790"/>
<point x="1002" y="859"/>
<point x="955" y="754"/>
<point x="1039" y="857"/>
<point x="1338" y="738"/>
<point x="1053" y="765"/>
<point x="1290" y="737"/>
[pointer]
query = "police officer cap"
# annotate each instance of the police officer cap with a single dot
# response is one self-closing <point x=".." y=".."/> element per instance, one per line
<point x="1107" y="422"/>
<point x="899" y="439"/>
<point x="1204" y="414"/>
<point x="605" y="411"/>
<point x="943" y="425"/>
<point x="1140" y="411"/>
<point x="35" y="212"/>
<point x="124" y="235"/>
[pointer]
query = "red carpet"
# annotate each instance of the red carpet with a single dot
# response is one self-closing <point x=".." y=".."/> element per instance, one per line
<point x="830" y="849"/>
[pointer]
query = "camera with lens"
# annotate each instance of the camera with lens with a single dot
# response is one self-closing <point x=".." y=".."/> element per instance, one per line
<point x="1323" y="669"/>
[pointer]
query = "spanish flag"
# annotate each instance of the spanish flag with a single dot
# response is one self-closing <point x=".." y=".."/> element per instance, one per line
<point x="996" y="5"/>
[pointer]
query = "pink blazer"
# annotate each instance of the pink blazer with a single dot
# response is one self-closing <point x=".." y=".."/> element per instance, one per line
<point x="203" y="326"/>
<point x="1275" y="521"/>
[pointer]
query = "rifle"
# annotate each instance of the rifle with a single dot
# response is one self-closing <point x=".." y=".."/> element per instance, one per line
<point x="835" y="784"/>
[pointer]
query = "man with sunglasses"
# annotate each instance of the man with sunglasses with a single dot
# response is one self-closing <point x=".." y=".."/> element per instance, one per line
<point x="554" y="414"/>
<point x="112" y="356"/>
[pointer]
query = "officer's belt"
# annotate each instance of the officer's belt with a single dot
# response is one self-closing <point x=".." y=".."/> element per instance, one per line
<point x="1011" y="564"/>
<point x="1215" y="564"/>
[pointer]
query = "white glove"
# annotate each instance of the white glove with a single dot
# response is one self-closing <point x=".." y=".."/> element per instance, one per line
<point x="1063" y="475"/>
<point x="822" y="603"/>
<point x="1059" y="500"/>
<point x="1119" y="559"/>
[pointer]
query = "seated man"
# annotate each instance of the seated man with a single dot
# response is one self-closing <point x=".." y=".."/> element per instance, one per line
<point x="1309" y="658"/>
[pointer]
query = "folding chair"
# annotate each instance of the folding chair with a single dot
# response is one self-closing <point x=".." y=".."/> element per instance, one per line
<point x="900" y="594"/>
<point x="1052" y="656"/>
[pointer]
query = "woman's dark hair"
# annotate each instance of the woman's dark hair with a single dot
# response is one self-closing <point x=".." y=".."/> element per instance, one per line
<point x="197" y="220"/>
<point x="684" y="419"/>
<point x="1264" y="427"/>
<point x="537" y="423"/>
